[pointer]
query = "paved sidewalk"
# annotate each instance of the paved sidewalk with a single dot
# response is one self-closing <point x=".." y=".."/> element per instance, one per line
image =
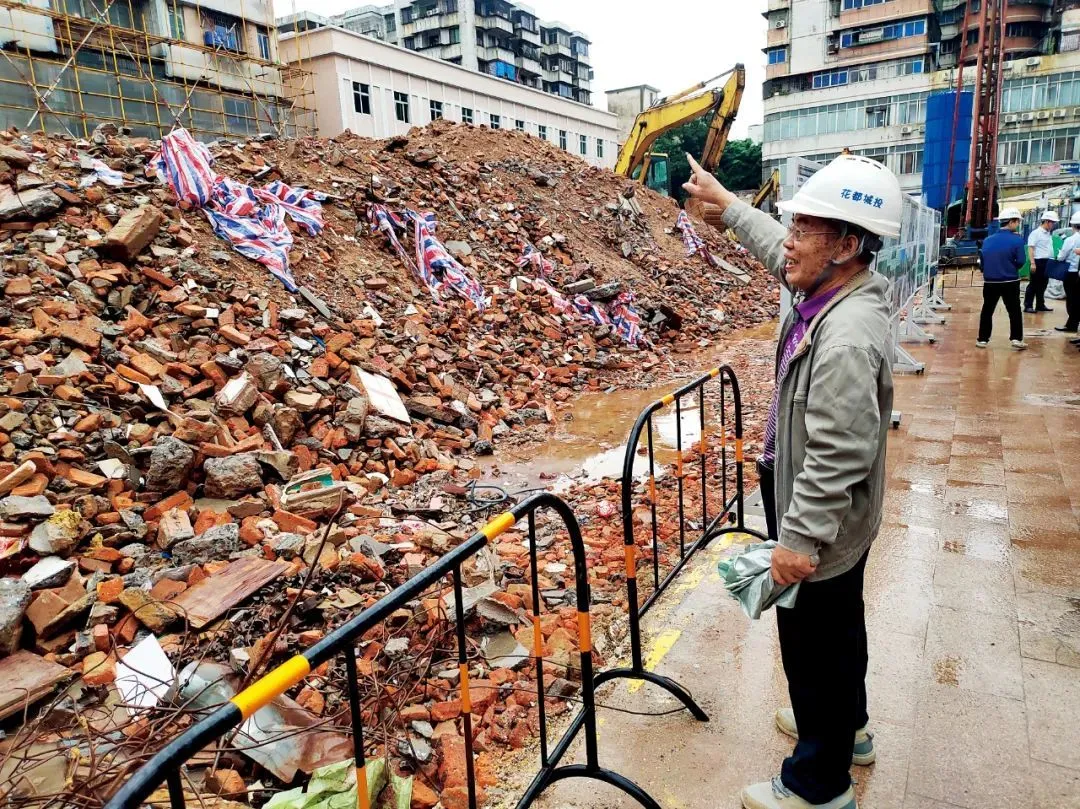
<point x="973" y="609"/>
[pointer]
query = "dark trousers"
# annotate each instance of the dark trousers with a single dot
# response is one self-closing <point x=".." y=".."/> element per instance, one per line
<point x="823" y="644"/>
<point x="1037" y="286"/>
<point x="1009" y="292"/>
<point x="1072" y="300"/>
<point x="768" y="496"/>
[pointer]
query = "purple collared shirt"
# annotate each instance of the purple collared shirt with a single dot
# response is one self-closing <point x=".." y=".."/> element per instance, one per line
<point x="805" y="312"/>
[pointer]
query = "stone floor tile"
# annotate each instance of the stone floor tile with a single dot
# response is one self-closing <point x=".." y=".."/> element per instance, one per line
<point x="974" y="651"/>
<point x="966" y="583"/>
<point x="895" y="676"/>
<point x="1049" y="627"/>
<point x="1054" y="787"/>
<point x="971" y="750"/>
<point x="1052" y="698"/>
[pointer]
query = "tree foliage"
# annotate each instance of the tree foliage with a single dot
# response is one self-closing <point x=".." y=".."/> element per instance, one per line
<point x="740" y="165"/>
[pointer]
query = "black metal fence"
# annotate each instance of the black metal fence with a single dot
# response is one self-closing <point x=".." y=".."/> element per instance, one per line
<point x="730" y="517"/>
<point x="166" y="766"/>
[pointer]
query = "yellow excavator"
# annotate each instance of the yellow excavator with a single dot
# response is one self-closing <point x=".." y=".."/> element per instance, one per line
<point x="639" y="162"/>
<point x="769" y="192"/>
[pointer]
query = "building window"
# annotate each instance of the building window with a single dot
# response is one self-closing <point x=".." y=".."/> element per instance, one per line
<point x="406" y="15"/>
<point x="877" y="117"/>
<point x="262" y="35"/>
<point x="777" y="56"/>
<point x="911" y="162"/>
<point x="176" y="21"/>
<point x="562" y="139"/>
<point x="436" y="110"/>
<point x="222" y="31"/>
<point x="466" y="115"/>
<point x="401" y="107"/>
<point x="850" y="4"/>
<point x="541" y="130"/>
<point x="496" y="120"/>
<point x="455" y="35"/>
<point x="519" y="125"/>
<point x="600" y="148"/>
<point x="361" y="96"/>
<point x="583" y="144"/>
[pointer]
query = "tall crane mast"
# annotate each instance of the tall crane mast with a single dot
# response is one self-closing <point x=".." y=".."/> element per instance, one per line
<point x="988" y="53"/>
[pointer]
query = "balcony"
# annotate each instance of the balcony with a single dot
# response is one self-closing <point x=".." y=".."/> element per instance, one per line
<point x="431" y="22"/>
<point x="529" y="35"/>
<point x="777" y="37"/>
<point x="528" y="64"/>
<point x="497" y="54"/>
<point x="885" y="12"/>
<point x="491" y="22"/>
<point x="775" y="71"/>
<point x="777" y="5"/>
<point x="558" y="49"/>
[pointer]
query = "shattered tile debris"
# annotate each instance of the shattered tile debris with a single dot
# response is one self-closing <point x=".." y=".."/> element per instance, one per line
<point x="179" y="434"/>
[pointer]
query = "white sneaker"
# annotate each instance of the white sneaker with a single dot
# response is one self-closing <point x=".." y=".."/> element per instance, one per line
<point x="864" y="753"/>
<point x="774" y="795"/>
<point x="981" y="343"/>
<point x="1019" y="345"/>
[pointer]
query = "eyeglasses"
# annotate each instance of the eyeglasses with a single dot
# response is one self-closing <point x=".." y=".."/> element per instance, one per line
<point x="799" y="234"/>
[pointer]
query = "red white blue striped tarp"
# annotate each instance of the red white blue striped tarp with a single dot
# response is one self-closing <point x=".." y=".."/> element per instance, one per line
<point x="251" y="219"/>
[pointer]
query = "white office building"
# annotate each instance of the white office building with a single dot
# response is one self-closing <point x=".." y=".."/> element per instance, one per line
<point x="379" y="90"/>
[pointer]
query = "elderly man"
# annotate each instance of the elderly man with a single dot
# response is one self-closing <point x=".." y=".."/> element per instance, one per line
<point x="824" y="459"/>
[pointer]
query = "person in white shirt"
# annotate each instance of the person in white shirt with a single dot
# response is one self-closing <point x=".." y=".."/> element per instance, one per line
<point x="1040" y="250"/>
<point x="1070" y="252"/>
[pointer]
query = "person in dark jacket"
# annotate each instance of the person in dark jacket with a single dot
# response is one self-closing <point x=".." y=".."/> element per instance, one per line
<point x="1002" y="257"/>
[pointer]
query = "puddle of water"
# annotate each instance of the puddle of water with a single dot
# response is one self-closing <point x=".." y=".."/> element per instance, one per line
<point x="1067" y="400"/>
<point x="591" y="445"/>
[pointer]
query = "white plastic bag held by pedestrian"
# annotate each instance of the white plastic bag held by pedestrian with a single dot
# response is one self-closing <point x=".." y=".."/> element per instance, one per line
<point x="748" y="577"/>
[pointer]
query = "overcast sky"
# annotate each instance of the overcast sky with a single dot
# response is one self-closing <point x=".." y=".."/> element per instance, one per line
<point x="674" y="44"/>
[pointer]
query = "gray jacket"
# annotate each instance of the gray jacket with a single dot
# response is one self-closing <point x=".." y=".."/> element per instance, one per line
<point x="834" y="412"/>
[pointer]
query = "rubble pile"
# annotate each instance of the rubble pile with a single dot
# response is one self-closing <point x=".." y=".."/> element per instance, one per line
<point x="202" y="472"/>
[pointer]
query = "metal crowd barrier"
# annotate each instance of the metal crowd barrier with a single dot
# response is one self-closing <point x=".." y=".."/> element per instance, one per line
<point x="165" y="766"/>
<point x="730" y="519"/>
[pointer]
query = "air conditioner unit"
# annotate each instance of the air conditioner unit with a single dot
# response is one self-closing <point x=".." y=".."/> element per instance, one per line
<point x="1043" y="115"/>
<point x="1027" y="116"/>
<point x="1034" y="61"/>
<point x="780" y="24"/>
<point x="1060" y="113"/>
<point x="905" y="130"/>
<point x="1001" y="170"/>
<point x="1011" y="119"/>
<point x="1076" y="112"/>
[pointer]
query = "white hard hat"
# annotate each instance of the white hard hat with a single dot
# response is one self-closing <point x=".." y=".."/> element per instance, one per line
<point x="1008" y="214"/>
<point x="1050" y="216"/>
<point x="1075" y="219"/>
<point x="855" y="190"/>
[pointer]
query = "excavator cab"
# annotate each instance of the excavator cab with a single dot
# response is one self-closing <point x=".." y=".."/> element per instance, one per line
<point x="636" y="158"/>
<point x="657" y="173"/>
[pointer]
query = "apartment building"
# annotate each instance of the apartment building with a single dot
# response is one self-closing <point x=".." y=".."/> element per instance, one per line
<point x="501" y="38"/>
<point x="209" y="65"/>
<point x="856" y="74"/>
<point x="380" y="90"/>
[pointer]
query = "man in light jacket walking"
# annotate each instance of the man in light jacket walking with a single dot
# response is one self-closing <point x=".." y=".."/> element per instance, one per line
<point x="823" y="466"/>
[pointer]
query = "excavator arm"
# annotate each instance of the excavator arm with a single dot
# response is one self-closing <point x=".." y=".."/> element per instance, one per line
<point x="770" y="189"/>
<point x="679" y="109"/>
